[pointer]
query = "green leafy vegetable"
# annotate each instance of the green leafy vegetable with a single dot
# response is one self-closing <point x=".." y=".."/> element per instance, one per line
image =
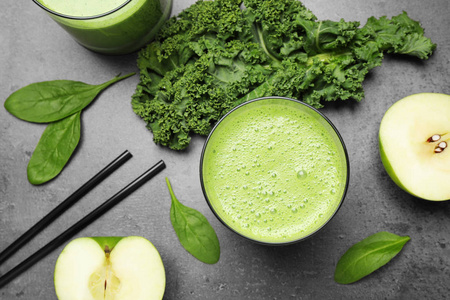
<point x="54" y="149"/>
<point x="194" y="231"/>
<point x="368" y="255"/>
<point x="49" y="101"/>
<point x="59" y="103"/>
<point x="215" y="55"/>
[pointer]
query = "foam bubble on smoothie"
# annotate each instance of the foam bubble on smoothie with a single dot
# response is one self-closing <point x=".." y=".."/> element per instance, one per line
<point x="279" y="160"/>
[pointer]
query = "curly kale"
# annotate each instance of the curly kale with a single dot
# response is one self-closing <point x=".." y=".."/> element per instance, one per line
<point x="215" y="55"/>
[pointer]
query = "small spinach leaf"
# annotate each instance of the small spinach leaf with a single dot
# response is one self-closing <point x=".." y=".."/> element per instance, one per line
<point x="54" y="149"/>
<point x="368" y="255"/>
<point x="194" y="231"/>
<point x="49" y="101"/>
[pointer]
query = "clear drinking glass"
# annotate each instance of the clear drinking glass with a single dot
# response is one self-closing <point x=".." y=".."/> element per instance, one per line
<point x="274" y="178"/>
<point x="124" y="28"/>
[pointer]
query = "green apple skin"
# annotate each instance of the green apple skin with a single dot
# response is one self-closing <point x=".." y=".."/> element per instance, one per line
<point x="388" y="167"/>
<point x="134" y="267"/>
<point x="433" y="105"/>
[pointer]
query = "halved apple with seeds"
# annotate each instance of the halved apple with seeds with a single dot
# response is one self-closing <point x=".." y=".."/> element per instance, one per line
<point x="414" y="140"/>
<point x="109" y="268"/>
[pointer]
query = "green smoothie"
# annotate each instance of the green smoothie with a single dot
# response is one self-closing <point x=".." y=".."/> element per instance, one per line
<point x="125" y="30"/>
<point x="274" y="171"/>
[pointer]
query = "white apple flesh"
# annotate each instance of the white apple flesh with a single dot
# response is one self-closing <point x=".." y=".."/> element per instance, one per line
<point x="109" y="268"/>
<point x="414" y="140"/>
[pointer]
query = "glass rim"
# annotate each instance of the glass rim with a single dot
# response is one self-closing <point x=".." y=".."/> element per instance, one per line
<point x="81" y="18"/>
<point x="347" y="179"/>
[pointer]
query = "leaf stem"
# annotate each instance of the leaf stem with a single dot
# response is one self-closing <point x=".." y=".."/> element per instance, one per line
<point x="116" y="79"/>
<point x="262" y="43"/>
<point x="172" y="194"/>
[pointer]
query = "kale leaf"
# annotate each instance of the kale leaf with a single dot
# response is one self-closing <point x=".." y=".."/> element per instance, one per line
<point x="215" y="55"/>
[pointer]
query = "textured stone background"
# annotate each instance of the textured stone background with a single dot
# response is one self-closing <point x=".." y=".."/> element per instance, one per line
<point x="35" y="49"/>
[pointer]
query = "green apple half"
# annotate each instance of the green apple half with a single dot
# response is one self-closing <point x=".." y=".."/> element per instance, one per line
<point x="109" y="268"/>
<point x="414" y="142"/>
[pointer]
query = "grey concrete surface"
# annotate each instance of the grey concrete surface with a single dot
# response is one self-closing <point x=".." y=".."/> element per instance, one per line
<point x="34" y="48"/>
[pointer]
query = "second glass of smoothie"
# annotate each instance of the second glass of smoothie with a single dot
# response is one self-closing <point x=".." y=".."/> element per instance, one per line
<point x="109" y="27"/>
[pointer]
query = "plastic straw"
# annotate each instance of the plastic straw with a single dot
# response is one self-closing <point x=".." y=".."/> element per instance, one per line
<point x="108" y="204"/>
<point x="66" y="204"/>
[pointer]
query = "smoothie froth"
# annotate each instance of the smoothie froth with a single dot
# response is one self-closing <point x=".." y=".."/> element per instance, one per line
<point x="274" y="171"/>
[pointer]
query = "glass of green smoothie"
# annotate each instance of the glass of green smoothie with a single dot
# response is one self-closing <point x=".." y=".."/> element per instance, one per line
<point x="274" y="170"/>
<point x="109" y="27"/>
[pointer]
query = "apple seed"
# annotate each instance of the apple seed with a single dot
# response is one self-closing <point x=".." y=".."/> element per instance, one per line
<point x="438" y="150"/>
<point x="434" y="138"/>
<point x="440" y="147"/>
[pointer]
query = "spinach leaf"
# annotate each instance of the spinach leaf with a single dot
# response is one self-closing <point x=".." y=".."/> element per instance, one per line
<point x="368" y="255"/>
<point x="49" y="101"/>
<point x="194" y="231"/>
<point x="54" y="149"/>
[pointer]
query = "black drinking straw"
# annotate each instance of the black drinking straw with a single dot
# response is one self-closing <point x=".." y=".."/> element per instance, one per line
<point x="108" y="204"/>
<point x="66" y="204"/>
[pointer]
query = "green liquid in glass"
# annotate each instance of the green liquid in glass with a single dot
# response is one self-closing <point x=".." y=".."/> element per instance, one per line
<point x="123" y="31"/>
<point x="274" y="171"/>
